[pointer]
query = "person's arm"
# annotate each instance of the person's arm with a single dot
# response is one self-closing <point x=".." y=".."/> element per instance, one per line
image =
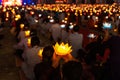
<point x="20" y="45"/>
<point x="55" y="59"/>
<point x="106" y="37"/>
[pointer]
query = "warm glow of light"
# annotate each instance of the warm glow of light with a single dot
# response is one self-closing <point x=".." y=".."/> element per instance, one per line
<point x="6" y="19"/>
<point x="22" y="26"/>
<point x="27" y="33"/>
<point x="29" y="42"/>
<point x="115" y="30"/>
<point x="66" y="19"/>
<point x="7" y="14"/>
<point x="62" y="49"/>
<point x="18" y="16"/>
<point x="32" y="12"/>
<point x="4" y="10"/>
<point x="40" y="52"/>
<point x="95" y="26"/>
<point x="48" y="16"/>
<point x="11" y="2"/>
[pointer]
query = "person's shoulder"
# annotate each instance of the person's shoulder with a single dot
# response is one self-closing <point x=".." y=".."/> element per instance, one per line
<point x="80" y="34"/>
<point x="114" y="37"/>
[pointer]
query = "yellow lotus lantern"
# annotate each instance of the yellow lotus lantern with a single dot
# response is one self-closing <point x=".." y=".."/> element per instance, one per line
<point x="27" y="33"/>
<point x="16" y="19"/>
<point x="115" y="30"/>
<point x="21" y="26"/>
<point x="32" y="12"/>
<point x="62" y="49"/>
<point x="29" y="42"/>
<point x="95" y="26"/>
<point x="6" y="19"/>
<point x="40" y="52"/>
<point x="7" y="14"/>
<point x="18" y="16"/>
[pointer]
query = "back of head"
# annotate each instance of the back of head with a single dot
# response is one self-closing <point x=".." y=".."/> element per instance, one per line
<point x="35" y="41"/>
<point x="119" y="29"/>
<point x="56" y="20"/>
<point x="47" y="54"/>
<point x="72" y="70"/>
<point x="76" y="28"/>
<point x="33" y="32"/>
<point x="81" y="55"/>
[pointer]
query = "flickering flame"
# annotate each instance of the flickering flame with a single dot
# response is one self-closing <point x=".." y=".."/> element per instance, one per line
<point x="62" y="49"/>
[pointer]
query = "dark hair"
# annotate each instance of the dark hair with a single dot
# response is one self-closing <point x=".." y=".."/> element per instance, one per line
<point x="81" y="54"/>
<point x="119" y="29"/>
<point x="72" y="70"/>
<point x="76" y="28"/>
<point x="35" y="41"/>
<point x="99" y="38"/>
<point x="46" y="20"/>
<point x="47" y="54"/>
<point x="33" y="32"/>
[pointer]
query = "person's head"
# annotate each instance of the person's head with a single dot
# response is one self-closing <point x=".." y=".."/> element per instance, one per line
<point x="56" y="20"/>
<point x="72" y="70"/>
<point x="100" y="38"/>
<point x="119" y="29"/>
<point x="81" y="55"/>
<point x="47" y="54"/>
<point x="76" y="28"/>
<point x="35" y="41"/>
<point x="33" y="32"/>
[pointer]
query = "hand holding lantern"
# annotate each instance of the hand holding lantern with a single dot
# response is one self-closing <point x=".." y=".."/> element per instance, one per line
<point x="62" y="54"/>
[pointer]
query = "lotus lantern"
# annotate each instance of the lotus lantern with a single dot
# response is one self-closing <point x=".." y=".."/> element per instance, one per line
<point x="21" y="26"/>
<point x="27" y="33"/>
<point x="29" y="42"/>
<point x="40" y="52"/>
<point x="62" y="49"/>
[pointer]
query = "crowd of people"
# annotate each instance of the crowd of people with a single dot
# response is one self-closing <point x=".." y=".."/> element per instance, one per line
<point x="98" y="59"/>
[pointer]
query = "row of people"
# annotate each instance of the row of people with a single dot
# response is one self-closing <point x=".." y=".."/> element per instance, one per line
<point x="75" y="39"/>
